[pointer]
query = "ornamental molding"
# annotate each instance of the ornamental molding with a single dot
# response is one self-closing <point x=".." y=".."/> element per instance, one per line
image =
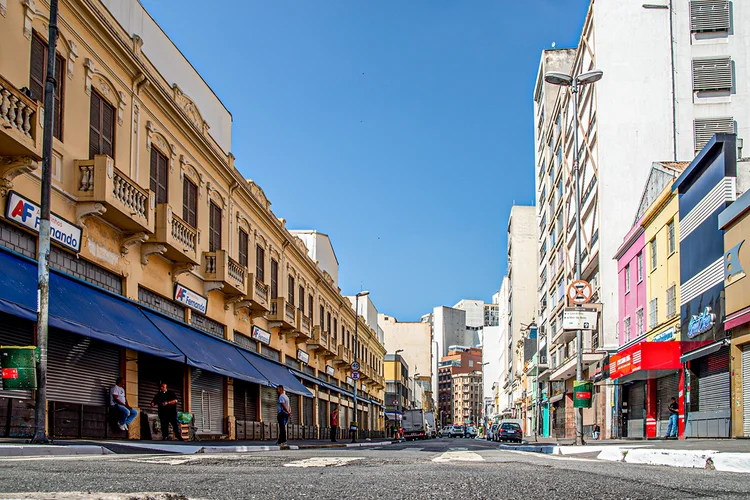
<point x="190" y="108"/>
<point x="108" y="90"/>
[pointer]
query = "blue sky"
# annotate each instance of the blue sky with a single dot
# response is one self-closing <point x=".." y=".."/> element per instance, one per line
<point x="403" y="129"/>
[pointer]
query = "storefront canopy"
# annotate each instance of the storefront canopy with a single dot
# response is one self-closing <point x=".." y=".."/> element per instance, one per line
<point x="322" y="384"/>
<point x="276" y="374"/>
<point x="645" y="360"/>
<point x="77" y="307"/>
<point x="206" y="352"/>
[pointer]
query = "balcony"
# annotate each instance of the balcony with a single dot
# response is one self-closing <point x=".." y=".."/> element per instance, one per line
<point x="127" y="205"/>
<point x="219" y="266"/>
<point x="562" y="336"/>
<point x="179" y="238"/>
<point x="319" y="339"/>
<point x="257" y="295"/>
<point x="568" y="369"/>
<point x="303" y="324"/>
<point x="281" y="315"/>
<point x="343" y="356"/>
<point x="20" y="129"/>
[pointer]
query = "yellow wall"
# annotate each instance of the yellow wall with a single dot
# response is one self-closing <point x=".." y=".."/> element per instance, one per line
<point x="667" y="273"/>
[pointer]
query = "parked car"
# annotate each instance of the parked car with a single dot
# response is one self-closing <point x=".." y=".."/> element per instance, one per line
<point x="470" y="431"/>
<point x="444" y="432"/>
<point x="509" y="432"/>
<point x="456" y="431"/>
<point x="491" y="431"/>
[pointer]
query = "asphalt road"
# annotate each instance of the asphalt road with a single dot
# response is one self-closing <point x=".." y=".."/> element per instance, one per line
<point x="445" y="468"/>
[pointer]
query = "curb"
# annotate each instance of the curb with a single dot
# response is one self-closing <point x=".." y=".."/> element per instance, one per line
<point x="44" y="450"/>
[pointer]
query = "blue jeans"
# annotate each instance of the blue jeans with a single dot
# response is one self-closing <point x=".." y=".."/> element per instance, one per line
<point x="282" y="418"/>
<point x="672" y="427"/>
<point x="124" y="415"/>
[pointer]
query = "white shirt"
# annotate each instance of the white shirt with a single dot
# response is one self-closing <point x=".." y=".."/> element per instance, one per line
<point x="116" y="395"/>
<point x="283" y="399"/>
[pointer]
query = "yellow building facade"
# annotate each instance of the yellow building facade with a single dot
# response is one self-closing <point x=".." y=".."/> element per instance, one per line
<point x="168" y="226"/>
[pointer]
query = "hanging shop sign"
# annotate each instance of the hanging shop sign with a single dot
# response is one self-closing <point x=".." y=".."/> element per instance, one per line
<point x="330" y="371"/>
<point x="349" y="381"/>
<point x="25" y="213"/>
<point x="665" y="336"/>
<point x="261" y="335"/>
<point x="303" y="356"/>
<point x="701" y="323"/>
<point x="191" y="299"/>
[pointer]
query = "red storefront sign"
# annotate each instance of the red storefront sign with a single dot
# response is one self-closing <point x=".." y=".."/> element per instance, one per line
<point x="645" y="356"/>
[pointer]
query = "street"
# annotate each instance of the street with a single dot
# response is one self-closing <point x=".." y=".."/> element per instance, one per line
<point x="441" y="468"/>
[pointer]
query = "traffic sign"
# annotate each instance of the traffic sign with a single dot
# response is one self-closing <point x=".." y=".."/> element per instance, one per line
<point x="355" y="375"/>
<point x="355" y="366"/>
<point x="578" y="318"/>
<point x="395" y="402"/>
<point x="580" y="292"/>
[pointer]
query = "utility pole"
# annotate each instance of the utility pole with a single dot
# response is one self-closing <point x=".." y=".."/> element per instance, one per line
<point x="42" y="322"/>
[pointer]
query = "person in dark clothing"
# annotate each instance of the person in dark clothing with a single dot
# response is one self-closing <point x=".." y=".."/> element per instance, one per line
<point x="166" y="402"/>
<point x="673" y="415"/>
<point x="334" y="424"/>
<point x="283" y="413"/>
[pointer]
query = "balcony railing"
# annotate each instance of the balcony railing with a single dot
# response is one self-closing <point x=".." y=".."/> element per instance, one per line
<point x="178" y="236"/>
<point x="219" y="266"/>
<point x="281" y="313"/>
<point x="19" y="122"/>
<point x="128" y="205"/>
<point x="289" y="312"/>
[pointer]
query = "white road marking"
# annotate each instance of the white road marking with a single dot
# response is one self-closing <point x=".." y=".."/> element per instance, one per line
<point x="459" y="456"/>
<point x="323" y="462"/>
<point x="551" y="457"/>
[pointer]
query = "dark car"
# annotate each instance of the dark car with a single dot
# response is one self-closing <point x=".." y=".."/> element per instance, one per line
<point x="509" y="432"/>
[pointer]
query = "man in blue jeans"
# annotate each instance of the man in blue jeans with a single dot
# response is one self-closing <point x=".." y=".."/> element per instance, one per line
<point x="673" y="413"/>
<point x="283" y="412"/>
<point x="119" y="404"/>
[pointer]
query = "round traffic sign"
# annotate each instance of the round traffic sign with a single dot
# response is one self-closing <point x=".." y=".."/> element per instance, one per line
<point x="355" y="366"/>
<point x="580" y="292"/>
<point x="395" y="401"/>
<point x="355" y="375"/>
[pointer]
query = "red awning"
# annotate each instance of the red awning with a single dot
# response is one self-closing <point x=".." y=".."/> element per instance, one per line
<point x="645" y="358"/>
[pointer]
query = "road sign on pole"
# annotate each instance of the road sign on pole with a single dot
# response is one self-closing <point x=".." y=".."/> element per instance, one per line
<point x="355" y="366"/>
<point x="580" y="292"/>
<point x="355" y="375"/>
<point x="579" y="318"/>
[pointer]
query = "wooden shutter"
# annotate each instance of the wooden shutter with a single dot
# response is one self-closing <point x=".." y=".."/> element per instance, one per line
<point x="94" y="126"/>
<point x="301" y="299"/>
<point x="38" y="62"/>
<point x="274" y="279"/>
<point x="159" y="172"/>
<point x="59" y="93"/>
<point x="108" y="129"/>
<point x="101" y="127"/>
<point x="214" y="229"/>
<point x="260" y="263"/>
<point x="190" y="203"/>
<point x="310" y="307"/>
<point x="242" y="250"/>
<point x="290" y="282"/>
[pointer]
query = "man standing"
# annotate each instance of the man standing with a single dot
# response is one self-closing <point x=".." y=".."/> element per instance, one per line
<point x="166" y="402"/>
<point x="119" y="404"/>
<point x="673" y="413"/>
<point x="334" y="424"/>
<point x="283" y="412"/>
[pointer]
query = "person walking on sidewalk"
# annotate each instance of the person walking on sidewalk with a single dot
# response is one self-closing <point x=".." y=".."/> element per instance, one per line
<point x="673" y="413"/>
<point x="166" y="403"/>
<point x="283" y="412"/>
<point x="334" y="424"/>
<point x="119" y="404"/>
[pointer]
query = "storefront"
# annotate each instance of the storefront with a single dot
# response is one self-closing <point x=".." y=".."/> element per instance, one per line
<point x="735" y="221"/>
<point x="648" y="374"/>
<point x="706" y="188"/>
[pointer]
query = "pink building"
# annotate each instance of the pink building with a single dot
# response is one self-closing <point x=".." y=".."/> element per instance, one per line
<point x="631" y="323"/>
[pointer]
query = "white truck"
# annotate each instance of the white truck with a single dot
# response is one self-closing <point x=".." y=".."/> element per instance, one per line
<point x="414" y="424"/>
<point x="429" y="418"/>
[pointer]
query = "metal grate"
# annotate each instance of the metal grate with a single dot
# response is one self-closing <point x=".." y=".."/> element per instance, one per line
<point x="206" y="324"/>
<point x="705" y="129"/>
<point x="712" y="74"/>
<point x="709" y="15"/>
<point x="161" y="304"/>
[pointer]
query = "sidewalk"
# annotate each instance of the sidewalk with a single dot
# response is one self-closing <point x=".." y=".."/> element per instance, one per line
<point x="9" y="447"/>
<point x="730" y="455"/>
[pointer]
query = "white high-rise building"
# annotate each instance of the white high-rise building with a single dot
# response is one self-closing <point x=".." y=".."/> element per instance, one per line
<point x="474" y="312"/>
<point x="675" y="73"/>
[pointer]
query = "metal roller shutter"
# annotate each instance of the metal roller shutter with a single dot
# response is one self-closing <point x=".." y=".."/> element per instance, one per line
<point x="207" y="401"/>
<point x="268" y="402"/>
<point x="245" y="401"/>
<point x="323" y="413"/>
<point x="667" y="387"/>
<point x="152" y="371"/>
<point x="308" y="409"/>
<point x="81" y="369"/>
<point x="714" y="381"/>
<point x="636" y="409"/>
<point x="746" y="390"/>
<point x="15" y="331"/>
<point x="294" y="404"/>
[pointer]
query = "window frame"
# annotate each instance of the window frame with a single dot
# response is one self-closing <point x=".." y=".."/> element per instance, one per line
<point x="104" y="103"/>
<point x="627" y="279"/>
<point x="671" y="243"/>
<point x="189" y="188"/>
<point x="214" y="227"/>
<point x="59" y="102"/>
<point x="260" y="263"/>
<point x="653" y="250"/>
<point x="242" y="247"/>
<point x="158" y="166"/>
<point x="639" y="266"/>
<point x="290" y="283"/>
<point x="274" y="289"/>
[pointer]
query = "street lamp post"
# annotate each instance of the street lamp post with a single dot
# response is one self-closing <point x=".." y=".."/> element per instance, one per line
<point x="574" y="83"/>
<point x="356" y="350"/>
<point x="398" y="396"/>
<point x="484" y="406"/>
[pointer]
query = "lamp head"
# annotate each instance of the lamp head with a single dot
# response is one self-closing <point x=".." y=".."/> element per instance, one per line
<point x="556" y="78"/>
<point x="363" y="293"/>
<point x="590" y="77"/>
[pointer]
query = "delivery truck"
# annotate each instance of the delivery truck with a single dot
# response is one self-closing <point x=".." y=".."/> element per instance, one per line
<point x="429" y="418"/>
<point x="414" y="424"/>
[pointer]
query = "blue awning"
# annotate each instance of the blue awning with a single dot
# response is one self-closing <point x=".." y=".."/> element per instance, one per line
<point x="206" y="352"/>
<point x="321" y="383"/>
<point x="277" y="374"/>
<point x="77" y="307"/>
